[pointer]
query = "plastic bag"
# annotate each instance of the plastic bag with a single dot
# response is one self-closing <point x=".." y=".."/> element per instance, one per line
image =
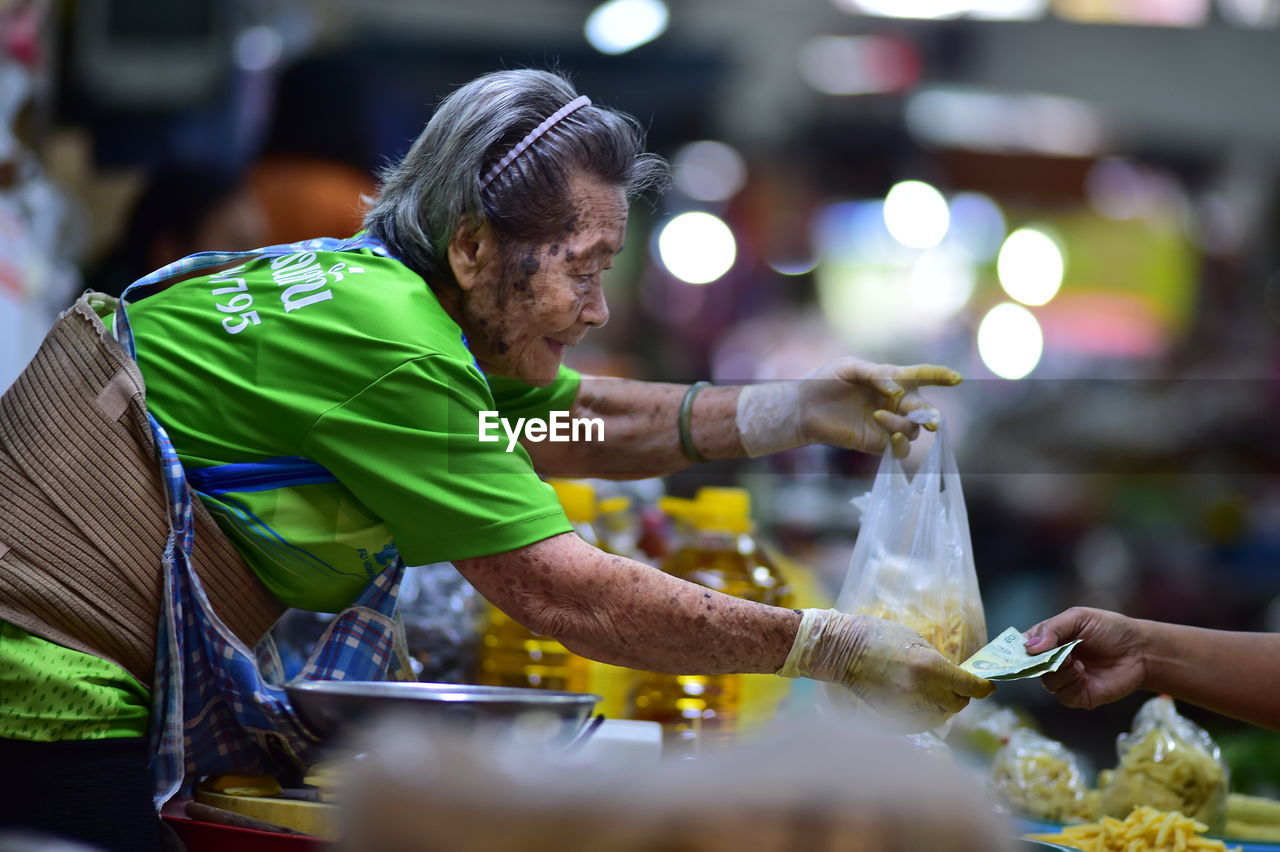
<point x="1040" y="778"/>
<point x="913" y="561"/>
<point x="443" y="620"/>
<point x="983" y="727"/>
<point x="929" y="743"/>
<point x="1169" y="763"/>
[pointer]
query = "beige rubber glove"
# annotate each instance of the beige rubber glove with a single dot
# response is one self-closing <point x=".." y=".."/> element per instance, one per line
<point x="847" y="403"/>
<point x="891" y="668"/>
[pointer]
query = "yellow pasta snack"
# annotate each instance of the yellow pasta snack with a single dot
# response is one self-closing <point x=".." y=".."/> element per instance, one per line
<point x="963" y="631"/>
<point x="1039" y="777"/>
<point x="1143" y="830"/>
<point x="1168" y="763"/>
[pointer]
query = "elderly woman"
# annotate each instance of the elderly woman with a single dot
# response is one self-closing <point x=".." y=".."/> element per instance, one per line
<point x="323" y="400"/>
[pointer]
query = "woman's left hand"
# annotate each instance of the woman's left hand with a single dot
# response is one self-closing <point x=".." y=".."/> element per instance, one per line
<point x="847" y="403"/>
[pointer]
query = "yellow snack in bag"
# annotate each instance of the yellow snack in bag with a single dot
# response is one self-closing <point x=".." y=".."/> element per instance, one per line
<point x="1038" y="777"/>
<point x="1168" y="763"/>
<point x="962" y="633"/>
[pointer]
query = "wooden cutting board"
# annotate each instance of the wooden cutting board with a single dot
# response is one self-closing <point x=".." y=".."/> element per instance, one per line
<point x="315" y="818"/>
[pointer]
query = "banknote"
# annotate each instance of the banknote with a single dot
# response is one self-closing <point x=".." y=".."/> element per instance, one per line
<point x="1006" y="658"/>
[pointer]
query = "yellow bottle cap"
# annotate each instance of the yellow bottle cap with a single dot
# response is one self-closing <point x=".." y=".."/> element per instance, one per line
<point x="578" y="499"/>
<point x="611" y="505"/>
<point x="677" y="508"/>
<point x="723" y="510"/>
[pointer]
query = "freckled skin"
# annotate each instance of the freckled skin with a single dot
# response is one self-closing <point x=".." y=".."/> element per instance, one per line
<point x="640" y="430"/>
<point x="594" y="603"/>
<point x="559" y="292"/>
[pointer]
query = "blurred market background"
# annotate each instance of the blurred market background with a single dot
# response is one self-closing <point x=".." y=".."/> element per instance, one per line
<point x="1074" y="202"/>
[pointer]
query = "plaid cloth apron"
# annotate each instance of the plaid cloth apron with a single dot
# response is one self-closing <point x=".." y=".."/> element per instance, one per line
<point x="214" y="710"/>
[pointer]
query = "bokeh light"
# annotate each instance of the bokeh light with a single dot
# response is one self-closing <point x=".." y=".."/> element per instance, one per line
<point x="916" y="214"/>
<point x="1115" y="189"/>
<point x="977" y="226"/>
<point x="709" y="170"/>
<point x="1008" y="10"/>
<point x="621" y="25"/>
<point x="258" y="48"/>
<point x="1030" y="266"/>
<point x="864" y="305"/>
<point x="858" y="65"/>
<point x="800" y="266"/>
<point x="990" y="10"/>
<point x="854" y="231"/>
<point x="941" y="282"/>
<point x="926" y="9"/>
<point x="1010" y="341"/>
<point x="697" y="247"/>
<point x="984" y="120"/>
<point x="1250" y="13"/>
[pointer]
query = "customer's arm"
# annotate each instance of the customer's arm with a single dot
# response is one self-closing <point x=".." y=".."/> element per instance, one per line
<point x="1235" y="674"/>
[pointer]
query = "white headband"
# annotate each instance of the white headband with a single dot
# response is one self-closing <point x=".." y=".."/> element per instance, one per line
<point x="523" y="144"/>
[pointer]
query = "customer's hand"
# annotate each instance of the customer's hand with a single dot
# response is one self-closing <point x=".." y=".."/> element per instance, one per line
<point x="1108" y="664"/>
<point x="847" y="403"/>
<point x="891" y="668"/>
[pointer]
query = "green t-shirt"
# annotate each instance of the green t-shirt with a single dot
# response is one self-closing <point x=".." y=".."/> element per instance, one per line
<point x="48" y="692"/>
<point x="346" y="359"/>
<point x="364" y="374"/>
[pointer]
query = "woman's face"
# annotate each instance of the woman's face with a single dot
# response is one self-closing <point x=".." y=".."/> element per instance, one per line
<point x="520" y="313"/>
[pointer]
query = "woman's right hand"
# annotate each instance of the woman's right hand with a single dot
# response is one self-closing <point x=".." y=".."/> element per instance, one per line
<point x="891" y="668"/>
<point x="1108" y="664"/>
<point x="849" y="403"/>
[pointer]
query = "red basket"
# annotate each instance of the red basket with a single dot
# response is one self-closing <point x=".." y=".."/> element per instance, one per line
<point x="211" y="837"/>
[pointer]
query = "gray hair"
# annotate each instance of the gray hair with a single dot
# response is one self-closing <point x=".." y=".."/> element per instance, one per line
<point x="436" y="187"/>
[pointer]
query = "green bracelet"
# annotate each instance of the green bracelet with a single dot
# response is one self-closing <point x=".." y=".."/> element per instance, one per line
<point x="686" y="411"/>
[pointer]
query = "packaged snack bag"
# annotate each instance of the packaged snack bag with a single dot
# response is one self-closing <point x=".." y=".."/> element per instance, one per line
<point x="1040" y="778"/>
<point x="913" y="560"/>
<point x="1169" y="763"/>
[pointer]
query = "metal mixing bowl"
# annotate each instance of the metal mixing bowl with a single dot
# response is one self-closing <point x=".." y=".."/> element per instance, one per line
<point x="335" y="709"/>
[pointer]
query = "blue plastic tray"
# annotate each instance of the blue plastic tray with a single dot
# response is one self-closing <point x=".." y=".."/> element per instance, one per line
<point x="1025" y="845"/>
<point x="1026" y="826"/>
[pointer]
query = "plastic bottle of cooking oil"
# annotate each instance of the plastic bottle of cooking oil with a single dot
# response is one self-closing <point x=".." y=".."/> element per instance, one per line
<point x="616" y="528"/>
<point x="680" y="511"/>
<point x="769" y="583"/>
<point x="698" y="711"/>
<point x="761" y="695"/>
<point x="616" y="532"/>
<point x="512" y="654"/>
